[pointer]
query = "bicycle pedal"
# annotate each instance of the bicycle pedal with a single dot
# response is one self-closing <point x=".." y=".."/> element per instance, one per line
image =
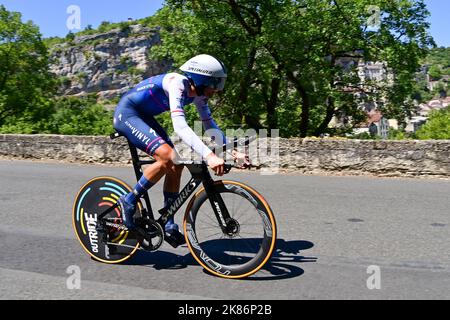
<point x="175" y="239"/>
<point x="112" y="249"/>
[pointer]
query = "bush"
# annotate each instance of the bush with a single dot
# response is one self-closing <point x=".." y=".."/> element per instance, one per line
<point x="135" y="71"/>
<point x="81" y="116"/>
<point x="65" y="81"/>
<point x="69" y="116"/>
<point x="437" y="126"/>
<point x="70" y="37"/>
<point x="435" y="73"/>
<point x="398" y="135"/>
<point x="104" y="26"/>
<point x="124" y="27"/>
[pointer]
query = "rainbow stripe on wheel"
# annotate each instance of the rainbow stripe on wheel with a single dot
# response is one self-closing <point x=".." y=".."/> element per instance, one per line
<point x="94" y="198"/>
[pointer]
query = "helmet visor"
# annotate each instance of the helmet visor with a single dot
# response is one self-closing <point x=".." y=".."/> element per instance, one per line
<point x="217" y="83"/>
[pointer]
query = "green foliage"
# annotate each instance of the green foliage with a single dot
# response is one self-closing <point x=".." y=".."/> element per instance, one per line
<point x="397" y="134"/>
<point x="437" y="64"/>
<point x="150" y="22"/>
<point x="25" y="80"/>
<point x="437" y="126"/>
<point x="435" y="73"/>
<point x="70" y="37"/>
<point x="439" y="57"/>
<point x="80" y="117"/>
<point x="81" y="76"/>
<point x="125" y="60"/>
<point x="135" y="71"/>
<point x="31" y="121"/>
<point x="53" y="41"/>
<point x="124" y="27"/>
<point x="104" y="26"/>
<point x="69" y="116"/>
<point x="365" y="136"/>
<point x="282" y="56"/>
<point x="64" y="81"/>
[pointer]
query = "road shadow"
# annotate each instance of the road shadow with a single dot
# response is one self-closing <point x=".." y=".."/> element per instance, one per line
<point x="285" y="260"/>
<point x="284" y="263"/>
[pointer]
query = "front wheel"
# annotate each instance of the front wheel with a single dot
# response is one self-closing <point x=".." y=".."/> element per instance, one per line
<point x="246" y="246"/>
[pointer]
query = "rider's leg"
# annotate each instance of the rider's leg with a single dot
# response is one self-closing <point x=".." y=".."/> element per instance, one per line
<point x="153" y="173"/>
<point x="164" y="156"/>
<point x="147" y="135"/>
<point x="171" y="191"/>
<point x="173" y="178"/>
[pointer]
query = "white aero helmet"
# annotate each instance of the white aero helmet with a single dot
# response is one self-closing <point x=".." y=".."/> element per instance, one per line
<point x="205" y="71"/>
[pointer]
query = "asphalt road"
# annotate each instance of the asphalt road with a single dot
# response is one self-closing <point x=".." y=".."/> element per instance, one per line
<point x="336" y="235"/>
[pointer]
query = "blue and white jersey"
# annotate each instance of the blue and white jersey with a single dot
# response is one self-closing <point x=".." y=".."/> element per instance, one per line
<point x="169" y="92"/>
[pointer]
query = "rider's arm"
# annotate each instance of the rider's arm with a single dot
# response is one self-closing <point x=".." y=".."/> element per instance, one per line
<point x="176" y="92"/>
<point x="209" y="124"/>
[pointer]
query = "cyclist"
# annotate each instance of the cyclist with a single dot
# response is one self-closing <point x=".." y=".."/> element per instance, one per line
<point x="203" y="76"/>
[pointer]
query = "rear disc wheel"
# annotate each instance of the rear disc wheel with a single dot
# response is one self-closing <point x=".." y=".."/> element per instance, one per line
<point x="108" y="245"/>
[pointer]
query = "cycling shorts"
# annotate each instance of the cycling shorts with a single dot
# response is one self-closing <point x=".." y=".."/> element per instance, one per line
<point x="144" y="132"/>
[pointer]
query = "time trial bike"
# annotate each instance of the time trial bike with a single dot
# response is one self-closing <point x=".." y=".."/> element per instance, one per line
<point x="228" y="226"/>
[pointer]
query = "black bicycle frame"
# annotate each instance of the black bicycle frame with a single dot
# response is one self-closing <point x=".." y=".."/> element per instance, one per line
<point x="200" y="175"/>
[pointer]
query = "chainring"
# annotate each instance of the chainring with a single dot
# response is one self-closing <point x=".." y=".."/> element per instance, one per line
<point x="151" y="235"/>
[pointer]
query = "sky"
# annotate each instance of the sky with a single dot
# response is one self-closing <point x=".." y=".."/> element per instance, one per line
<point x="51" y="15"/>
<point x="440" y="21"/>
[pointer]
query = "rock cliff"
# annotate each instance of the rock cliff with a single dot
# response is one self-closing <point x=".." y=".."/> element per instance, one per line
<point x="107" y="64"/>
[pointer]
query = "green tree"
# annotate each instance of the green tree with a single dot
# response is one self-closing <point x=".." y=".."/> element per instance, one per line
<point x="437" y="66"/>
<point x="437" y="126"/>
<point x="25" y="81"/>
<point x="80" y="116"/>
<point x="435" y="73"/>
<point x="439" y="57"/>
<point x="66" y="115"/>
<point x="125" y="27"/>
<point x="70" y="37"/>
<point x="284" y="55"/>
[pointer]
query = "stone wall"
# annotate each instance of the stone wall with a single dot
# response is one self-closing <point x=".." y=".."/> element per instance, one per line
<point x="381" y="158"/>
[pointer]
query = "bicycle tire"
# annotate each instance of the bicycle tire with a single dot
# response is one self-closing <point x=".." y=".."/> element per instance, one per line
<point x="94" y="198"/>
<point x="211" y="254"/>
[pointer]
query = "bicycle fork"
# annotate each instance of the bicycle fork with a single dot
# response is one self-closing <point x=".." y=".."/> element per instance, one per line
<point x="228" y="225"/>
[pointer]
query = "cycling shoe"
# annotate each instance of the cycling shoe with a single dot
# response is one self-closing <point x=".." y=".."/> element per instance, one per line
<point x="173" y="236"/>
<point x="128" y="211"/>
